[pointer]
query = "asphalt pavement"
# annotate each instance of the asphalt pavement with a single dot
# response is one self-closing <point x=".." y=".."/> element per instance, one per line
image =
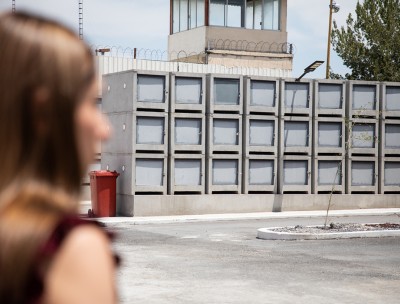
<point x="218" y="259"/>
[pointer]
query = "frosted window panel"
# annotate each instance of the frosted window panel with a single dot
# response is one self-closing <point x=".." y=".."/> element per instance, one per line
<point x="364" y="97"/>
<point x="363" y="136"/>
<point x="225" y="172"/>
<point x="261" y="133"/>
<point x="330" y="96"/>
<point x="261" y="172"/>
<point x="262" y="93"/>
<point x="188" y="90"/>
<point x="393" y="98"/>
<point x="193" y="13"/>
<point x="187" y="172"/>
<point x="249" y="14"/>
<point x="175" y="21"/>
<point x="275" y="23"/>
<point x="296" y="95"/>
<point x="271" y="15"/>
<point x="329" y="134"/>
<point x="226" y="131"/>
<point x="151" y="89"/>
<point x="200" y="13"/>
<point x="187" y="131"/>
<point x="184" y="15"/>
<point x="149" y="172"/>
<point x="296" y="134"/>
<point x="234" y="13"/>
<point x="363" y="173"/>
<point x="295" y="172"/>
<point x="329" y="173"/>
<point x="392" y="174"/>
<point x="150" y="130"/>
<point x="226" y="91"/>
<point x="392" y="136"/>
<point x="258" y="14"/>
<point x="217" y="12"/>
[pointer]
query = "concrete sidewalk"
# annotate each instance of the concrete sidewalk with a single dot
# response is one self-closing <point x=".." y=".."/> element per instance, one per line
<point x="239" y="216"/>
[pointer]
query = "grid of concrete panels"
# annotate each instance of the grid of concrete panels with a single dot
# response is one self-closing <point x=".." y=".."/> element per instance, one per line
<point x="238" y="134"/>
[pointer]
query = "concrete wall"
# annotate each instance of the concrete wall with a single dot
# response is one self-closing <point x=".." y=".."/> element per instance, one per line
<point x="161" y="205"/>
<point x="196" y="40"/>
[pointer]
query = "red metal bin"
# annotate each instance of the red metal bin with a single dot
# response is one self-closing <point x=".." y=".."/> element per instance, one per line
<point x="103" y="190"/>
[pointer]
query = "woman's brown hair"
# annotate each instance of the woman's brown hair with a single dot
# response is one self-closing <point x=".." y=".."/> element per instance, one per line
<point x="44" y="71"/>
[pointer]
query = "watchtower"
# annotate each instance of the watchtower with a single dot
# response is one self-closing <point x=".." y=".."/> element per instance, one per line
<point x="249" y="33"/>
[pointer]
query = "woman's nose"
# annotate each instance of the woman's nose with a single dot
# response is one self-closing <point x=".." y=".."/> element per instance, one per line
<point x="104" y="128"/>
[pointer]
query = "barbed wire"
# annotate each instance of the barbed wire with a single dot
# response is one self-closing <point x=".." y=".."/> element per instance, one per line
<point x="250" y="46"/>
<point x="192" y="57"/>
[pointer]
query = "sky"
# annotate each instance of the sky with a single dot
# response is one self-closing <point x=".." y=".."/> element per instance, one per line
<point x="145" y="25"/>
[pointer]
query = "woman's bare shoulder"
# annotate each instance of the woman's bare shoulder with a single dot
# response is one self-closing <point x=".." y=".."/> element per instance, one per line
<point x="82" y="270"/>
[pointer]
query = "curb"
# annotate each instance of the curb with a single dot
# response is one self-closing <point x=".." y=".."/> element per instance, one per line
<point x="268" y="234"/>
<point x="245" y="216"/>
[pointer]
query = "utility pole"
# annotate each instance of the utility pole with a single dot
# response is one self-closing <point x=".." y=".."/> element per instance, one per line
<point x="333" y="8"/>
<point x="81" y="19"/>
<point x="13" y="6"/>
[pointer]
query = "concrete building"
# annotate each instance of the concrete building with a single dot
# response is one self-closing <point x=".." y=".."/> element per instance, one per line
<point x="221" y="127"/>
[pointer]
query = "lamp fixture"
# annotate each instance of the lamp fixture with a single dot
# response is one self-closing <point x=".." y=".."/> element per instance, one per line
<point x="311" y="68"/>
<point x="102" y="51"/>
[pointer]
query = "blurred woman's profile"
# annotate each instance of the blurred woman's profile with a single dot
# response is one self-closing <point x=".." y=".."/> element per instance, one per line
<point x="49" y="128"/>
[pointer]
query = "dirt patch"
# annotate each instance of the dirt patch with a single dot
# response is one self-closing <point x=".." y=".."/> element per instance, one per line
<point x="336" y="227"/>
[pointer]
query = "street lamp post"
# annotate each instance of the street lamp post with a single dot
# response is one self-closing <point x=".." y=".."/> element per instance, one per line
<point x="333" y="8"/>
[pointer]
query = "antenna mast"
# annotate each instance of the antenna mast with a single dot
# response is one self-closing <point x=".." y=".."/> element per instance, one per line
<point x="80" y="19"/>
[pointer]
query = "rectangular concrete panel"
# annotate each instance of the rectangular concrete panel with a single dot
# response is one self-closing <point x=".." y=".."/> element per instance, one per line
<point x="224" y="133"/>
<point x="151" y="88"/>
<point x="226" y="91"/>
<point x="295" y="172"/>
<point x="364" y="97"/>
<point x="262" y="133"/>
<point x="225" y="94"/>
<point x="392" y="98"/>
<point x="117" y="95"/>
<point x="297" y="95"/>
<point x="261" y="172"/>
<point x="149" y="172"/>
<point x="150" y="130"/>
<point x="392" y="136"/>
<point x="225" y="172"/>
<point x="262" y="93"/>
<point x="330" y="96"/>
<point x="392" y="174"/>
<point x="329" y="172"/>
<point x="362" y="173"/>
<point x="188" y="90"/>
<point x="363" y="136"/>
<point x="188" y="131"/>
<point x="330" y="134"/>
<point x="187" y="172"/>
<point x="296" y="134"/>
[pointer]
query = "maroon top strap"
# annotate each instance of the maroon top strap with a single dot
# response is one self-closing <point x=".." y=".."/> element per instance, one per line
<point x="50" y="248"/>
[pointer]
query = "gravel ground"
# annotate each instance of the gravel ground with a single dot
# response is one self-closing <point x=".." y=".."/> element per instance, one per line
<point x="338" y="227"/>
